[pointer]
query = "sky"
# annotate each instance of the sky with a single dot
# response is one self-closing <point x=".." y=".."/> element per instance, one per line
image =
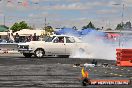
<point x="68" y="13"/>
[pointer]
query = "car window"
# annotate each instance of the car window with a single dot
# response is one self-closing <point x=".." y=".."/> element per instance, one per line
<point x="48" y="39"/>
<point x="59" y="40"/>
<point x="56" y="40"/>
<point x="70" y="40"/>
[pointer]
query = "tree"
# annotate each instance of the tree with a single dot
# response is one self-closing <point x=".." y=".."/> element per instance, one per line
<point x="127" y="26"/>
<point x="119" y="27"/>
<point x="90" y="25"/>
<point x="49" y="29"/>
<point x="15" y="27"/>
<point x="84" y="27"/>
<point x="19" y="26"/>
<point x="74" y="27"/>
<point x="124" y="26"/>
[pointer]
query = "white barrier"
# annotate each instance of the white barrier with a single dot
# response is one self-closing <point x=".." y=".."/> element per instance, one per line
<point x="8" y="48"/>
<point x="8" y="52"/>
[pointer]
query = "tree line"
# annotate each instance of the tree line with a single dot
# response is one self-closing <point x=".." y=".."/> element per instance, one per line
<point x="23" y="25"/>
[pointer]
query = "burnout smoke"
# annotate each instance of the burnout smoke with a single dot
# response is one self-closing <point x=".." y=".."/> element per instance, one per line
<point x="80" y="54"/>
<point x="99" y="48"/>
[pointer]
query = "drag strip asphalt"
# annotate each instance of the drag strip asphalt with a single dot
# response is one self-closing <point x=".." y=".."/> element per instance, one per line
<point x="19" y="72"/>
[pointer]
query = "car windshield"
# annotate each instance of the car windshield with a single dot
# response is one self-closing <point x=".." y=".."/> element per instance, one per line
<point x="49" y="39"/>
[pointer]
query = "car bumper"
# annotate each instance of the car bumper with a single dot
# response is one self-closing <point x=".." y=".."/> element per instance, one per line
<point x="25" y="50"/>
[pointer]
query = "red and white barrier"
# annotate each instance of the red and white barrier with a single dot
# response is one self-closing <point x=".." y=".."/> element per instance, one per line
<point x="8" y="48"/>
<point x="124" y="57"/>
<point x="8" y="52"/>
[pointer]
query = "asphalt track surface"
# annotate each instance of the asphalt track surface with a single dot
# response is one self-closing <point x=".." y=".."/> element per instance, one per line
<point x="19" y="72"/>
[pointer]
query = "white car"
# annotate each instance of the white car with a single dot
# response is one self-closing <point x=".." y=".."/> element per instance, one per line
<point x="60" y="45"/>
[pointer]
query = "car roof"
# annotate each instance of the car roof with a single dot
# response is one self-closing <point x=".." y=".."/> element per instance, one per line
<point x="63" y="35"/>
<point x="76" y="38"/>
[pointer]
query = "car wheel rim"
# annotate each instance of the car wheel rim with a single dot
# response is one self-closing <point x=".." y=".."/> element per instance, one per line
<point x="39" y="53"/>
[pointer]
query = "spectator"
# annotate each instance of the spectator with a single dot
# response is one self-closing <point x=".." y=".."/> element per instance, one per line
<point x="23" y="39"/>
<point x="17" y="38"/>
<point x="94" y="62"/>
<point x="8" y="38"/>
<point x="11" y="38"/>
<point x="30" y="38"/>
<point x="35" y="38"/>
<point x="26" y="39"/>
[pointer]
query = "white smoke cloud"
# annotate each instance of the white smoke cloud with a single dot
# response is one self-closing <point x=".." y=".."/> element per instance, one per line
<point x="102" y="48"/>
<point x="99" y="48"/>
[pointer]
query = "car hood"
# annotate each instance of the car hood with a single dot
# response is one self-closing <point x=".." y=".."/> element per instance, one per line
<point x="31" y="42"/>
<point x="27" y="43"/>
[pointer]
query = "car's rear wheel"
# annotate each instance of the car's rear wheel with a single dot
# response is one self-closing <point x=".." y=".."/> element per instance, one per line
<point x="27" y="55"/>
<point x="39" y="53"/>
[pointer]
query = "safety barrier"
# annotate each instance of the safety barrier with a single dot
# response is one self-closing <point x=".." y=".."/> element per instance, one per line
<point x="124" y="57"/>
<point x="9" y="52"/>
<point x="8" y="48"/>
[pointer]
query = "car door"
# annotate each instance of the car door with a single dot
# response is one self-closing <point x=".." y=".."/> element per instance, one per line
<point x="58" y="46"/>
<point x="70" y="45"/>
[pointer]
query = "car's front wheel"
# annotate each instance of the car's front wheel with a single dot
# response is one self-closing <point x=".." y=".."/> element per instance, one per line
<point x="39" y="53"/>
<point x="27" y="55"/>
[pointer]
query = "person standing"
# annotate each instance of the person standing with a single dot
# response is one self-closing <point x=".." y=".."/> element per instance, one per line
<point x="17" y="38"/>
<point x="11" y="38"/>
<point x="35" y="38"/>
<point x="30" y="38"/>
<point x="85" y="77"/>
